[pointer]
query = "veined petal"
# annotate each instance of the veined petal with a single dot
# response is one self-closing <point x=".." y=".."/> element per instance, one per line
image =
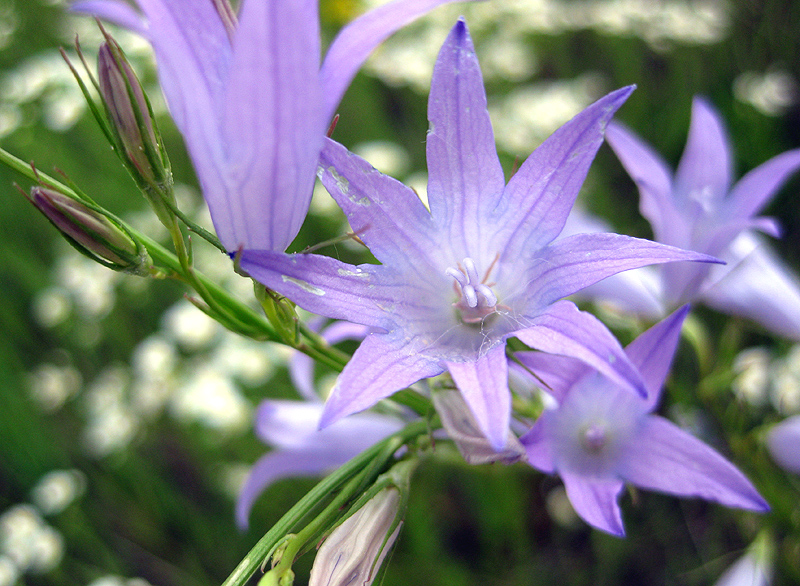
<point x="272" y="125"/>
<point x="388" y="216"/>
<point x="357" y="40"/>
<point x="652" y="353"/>
<point x="704" y="172"/>
<point x="756" y="285"/>
<point x="328" y="287"/>
<point x="115" y="11"/>
<point x="653" y="178"/>
<point x="380" y="367"/>
<point x="595" y="500"/>
<point x="667" y="459"/>
<point x="564" y="329"/>
<point x="484" y="385"/>
<point x="540" y="195"/>
<point x="572" y="263"/>
<point x="754" y="190"/>
<point x="301" y="366"/>
<point x="559" y="373"/>
<point x="465" y="178"/>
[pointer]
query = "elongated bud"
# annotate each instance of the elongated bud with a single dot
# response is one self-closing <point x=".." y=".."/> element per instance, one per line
<point x="354" y="551"/>
<point x="461" y="427"/>
<point x="129" y="114"/>
<point x="90" y="231"/>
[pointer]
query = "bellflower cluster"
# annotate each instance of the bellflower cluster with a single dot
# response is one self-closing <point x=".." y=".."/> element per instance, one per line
<point x="477" y="268"/>
<point x="251" y="99"/>
<point x="698" y="209"/>
<point x="600" y="435"/>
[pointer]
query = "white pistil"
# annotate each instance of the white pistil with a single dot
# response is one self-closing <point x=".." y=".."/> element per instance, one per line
<point x="477" y="298"/>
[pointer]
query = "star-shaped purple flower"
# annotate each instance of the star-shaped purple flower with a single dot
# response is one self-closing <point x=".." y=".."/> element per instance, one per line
<point x="697" y="208"/>
<point x="251" y="99"/>
<point x="456" y="281"/>
<point x="601" y="435"/>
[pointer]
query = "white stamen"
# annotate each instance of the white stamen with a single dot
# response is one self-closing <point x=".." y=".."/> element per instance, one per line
<point x="488" y="294"/>
<point x="458" y="276"/>
<point x="470" y="296"/>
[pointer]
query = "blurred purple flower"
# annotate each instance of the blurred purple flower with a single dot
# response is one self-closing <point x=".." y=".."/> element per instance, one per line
<point x="251" y="100"/>
<point x="783" y="441"/>
<point x="291" y="427"/>
<point x="601" y="435"/>
<point x="697" y="209"/>
<point x="478" y="268"/>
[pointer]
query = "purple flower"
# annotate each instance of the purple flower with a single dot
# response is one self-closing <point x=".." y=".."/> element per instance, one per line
<point x="301" y="449"/>
<point x="456" y="281"/>
<point x="291" y="428"/>
<point x="251" y="100"/>
<point x="782" y="442"/>
<point x="601" y="435"/>
<point x="698" y="209"/>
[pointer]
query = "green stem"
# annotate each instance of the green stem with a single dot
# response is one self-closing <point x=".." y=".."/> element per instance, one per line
<point x="372" y="459"/>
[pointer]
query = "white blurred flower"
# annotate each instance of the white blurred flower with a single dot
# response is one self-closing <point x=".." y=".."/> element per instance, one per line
<point x="51" y="386"/>
<point x="56" y="490"/>
<point x="191" y="328"/>
<point x="211" y="399"/>
<point x="772" y="92"/>
<point x="752" y="382"/>
<point x="25" y="539"/>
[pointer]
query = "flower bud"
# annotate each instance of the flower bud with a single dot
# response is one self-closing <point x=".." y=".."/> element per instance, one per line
<point x="354" y="551"/>
<point x="90" y="231"/>
<point x="462" y="428"/>
<point x="130" y="116"/>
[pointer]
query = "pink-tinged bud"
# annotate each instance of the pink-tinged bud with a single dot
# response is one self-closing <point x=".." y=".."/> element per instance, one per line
<point x="354" y="551"/>
<point x="461" y="427"/>
<point x="90" y="231"/>
<point x="130" y="116"/>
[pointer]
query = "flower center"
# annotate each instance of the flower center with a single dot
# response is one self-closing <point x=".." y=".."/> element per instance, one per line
<point x="476" y="299"/>
<point x="594" y="439"/>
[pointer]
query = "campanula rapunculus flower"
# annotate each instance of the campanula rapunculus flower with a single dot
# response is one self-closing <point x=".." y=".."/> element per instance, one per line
<point x="697" y="208"/>
<point x="251" y="99"/>
<point x="600" y="435"/>
<point x="477" y="268"/>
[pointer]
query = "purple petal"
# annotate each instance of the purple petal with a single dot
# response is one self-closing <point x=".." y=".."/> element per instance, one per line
<point x="461" y="427"/>
<point x="752" y="569"/>
<point x="357" y="40"/>
<point x="782" y="442"/>
<point x="484" y="385"/>
<point x="652" y="177"/>
<point x="538" y="446"/>
<point x="465" y="176"/>
<point x="667" y="459"/>
<point x="327" y="286"/>
<point x="704" y="172"/>
<point x="301" y="366"/>
<point x="380" y="367"/>
<point x="538" y="198"/>
<point x="653" y="350"/>
<point x="595" y="500"/>
<point x="754" y="190"/>
<point x="756" y="285"/>
<point x="388" y="216"/>
<point x="272" y="126"/>
<point x="116" y="11"/>
<point x="564" y="329"/>
<point x="306" y="451"/>
<point x="558" y="373"/>
<point x="275" y="466"/>
<point x="570" y="264"/>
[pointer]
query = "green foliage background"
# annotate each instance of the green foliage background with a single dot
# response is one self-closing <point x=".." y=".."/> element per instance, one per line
<point x="157" y="510"/>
